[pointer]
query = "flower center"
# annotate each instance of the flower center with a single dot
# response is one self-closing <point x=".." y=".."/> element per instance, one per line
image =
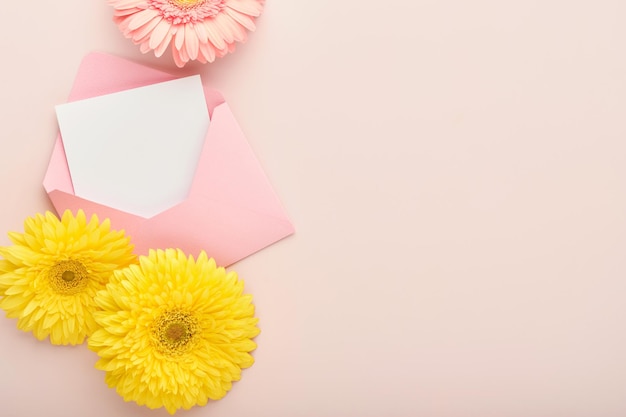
<point x="185" y="4"/>
<point x="174" y="331"/>
<point x="68" y="277"/>
<point x="180" y="12"/>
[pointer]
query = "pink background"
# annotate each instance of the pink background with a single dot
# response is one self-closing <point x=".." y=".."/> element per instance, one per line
<point x="456" y="171"/>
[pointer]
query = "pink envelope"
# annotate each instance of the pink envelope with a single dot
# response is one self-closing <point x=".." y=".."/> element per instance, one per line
<point x="231" y="211"/>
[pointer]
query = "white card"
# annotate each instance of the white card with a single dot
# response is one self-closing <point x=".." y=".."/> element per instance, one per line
<point x="136" y="150"/>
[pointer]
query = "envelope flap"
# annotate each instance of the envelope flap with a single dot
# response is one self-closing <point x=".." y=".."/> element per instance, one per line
<point x="119" y="220"/>
<point x="225" y="232"/>
<point x="58" y="173"/>
<point x="229" y="171"/>
<point x="101" y="74"/>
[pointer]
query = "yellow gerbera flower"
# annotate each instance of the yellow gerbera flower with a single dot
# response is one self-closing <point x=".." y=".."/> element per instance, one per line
<point x="174" y="332"/>
<point x="50" y="276"/>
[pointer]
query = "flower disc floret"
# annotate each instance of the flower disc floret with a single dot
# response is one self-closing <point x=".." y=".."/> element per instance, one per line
<point x="179" y="12"/>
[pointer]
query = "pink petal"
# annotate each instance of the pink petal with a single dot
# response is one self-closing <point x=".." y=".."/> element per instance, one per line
<point x="159" y="50"/>
<point x="214" y="34"/>
<point x="203" y="37"/>
<point x="126" y="12"/>
<point x="244" y="20"/>
<point x="239" y="31"/>
<point x="180" y="37"/>
<point x="144" y="47"/>
<point x="252" y="8"/>
<point x="179" y="62"/>
<point x="123" y="25"/>
<point x="229" y="48"/>
<point x="184" y="56"/>
<point x="159" y="33"/>
<point x="128" y="4"/>
<point x="141" y="18"/>
<point x="222" y="23"/>
<point x="208" y="51"/>
<point x="146" y="30"/>
<point x="191" y="41"/>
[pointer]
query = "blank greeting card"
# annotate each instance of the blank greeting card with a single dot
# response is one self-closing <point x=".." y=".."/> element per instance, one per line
<point x="136" y="150"/>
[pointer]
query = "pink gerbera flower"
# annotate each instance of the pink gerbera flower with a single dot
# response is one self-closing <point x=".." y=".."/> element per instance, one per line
<point x="196" y="29"/>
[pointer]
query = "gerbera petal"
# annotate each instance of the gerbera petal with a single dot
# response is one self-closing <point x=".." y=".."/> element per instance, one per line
<point x="201" y="33"/>
<point x="159" y="50"/>
<point x="146" y="31"/>
<point x="141" y="18"/>
<point x="13" y="303"/>
<point x="177" y="59"/>
<point x="17" y="238"/>
<point x="219" y="53"/>
<point x="184" y="56"/>
<point x="252" y="8"/>
<point x="126" y="4"/>
<point x="239" y="32"/>
<point x="214" y="35"/>
<point x="243" y="19"/>
<point x="144" y="47"/>
<point x="159" y="33"/>
<point x="50" y="320"/>
<point x="179" y="38"/>
<point x="126" y="12"/>
<point x="191" y="41"/>
<point x="207" y="51"/>
<point x="223" y="24"/>
<point x="122" y="23"/>
<point x="15" y="254"/>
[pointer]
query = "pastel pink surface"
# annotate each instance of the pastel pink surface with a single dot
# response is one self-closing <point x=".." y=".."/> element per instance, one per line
<point x="232" y="210"/>
<point x="457" y="174"/>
